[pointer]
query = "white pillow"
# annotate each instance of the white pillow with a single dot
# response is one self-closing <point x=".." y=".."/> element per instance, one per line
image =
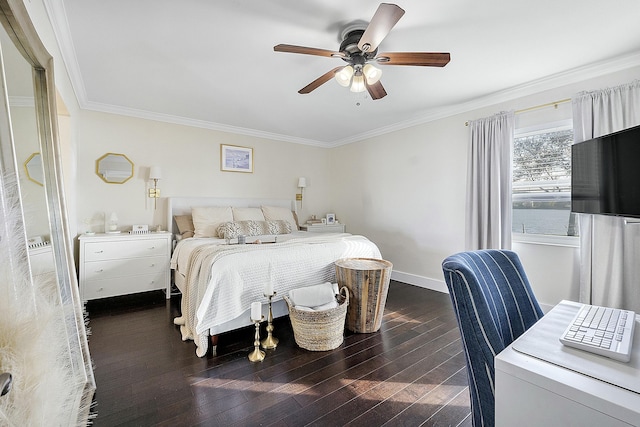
<point x="207" y="219"/>
<point x="274" y="213"/>
<point x="314" y="296"/>
<point x="247" y="214"/>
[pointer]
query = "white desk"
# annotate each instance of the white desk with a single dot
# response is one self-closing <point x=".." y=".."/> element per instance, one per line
<point x="531" y="391"/>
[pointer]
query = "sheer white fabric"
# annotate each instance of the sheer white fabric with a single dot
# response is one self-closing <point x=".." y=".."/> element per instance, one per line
<point x="488" y="213"/>
<point x="609" y="249"/>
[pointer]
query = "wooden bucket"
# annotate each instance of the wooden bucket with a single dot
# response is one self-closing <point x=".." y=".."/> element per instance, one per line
<point x="367" y="280"/>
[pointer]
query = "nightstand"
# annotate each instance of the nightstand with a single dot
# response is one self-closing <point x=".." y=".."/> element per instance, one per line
<point x="121" y="264"/>
<point x="324" y="228"/>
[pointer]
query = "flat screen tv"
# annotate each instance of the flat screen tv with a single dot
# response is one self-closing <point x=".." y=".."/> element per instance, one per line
<point x="605" y="174"/>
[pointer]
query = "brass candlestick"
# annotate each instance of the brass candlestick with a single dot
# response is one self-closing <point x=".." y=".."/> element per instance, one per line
<point x="257" y="355"/>
<point x="270" y="342"/>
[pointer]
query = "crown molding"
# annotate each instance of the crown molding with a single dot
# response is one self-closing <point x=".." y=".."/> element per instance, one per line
<point x="57" y="16"/>
<point x="531" y="88"/>
<point x="167" y="118"/>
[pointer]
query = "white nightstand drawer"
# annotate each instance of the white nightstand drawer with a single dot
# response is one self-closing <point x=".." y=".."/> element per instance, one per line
<point x="121" y="264"/>
<point x="124" y="267"/>
<point x="98" y="251"/>
<point x="118" y="286"/>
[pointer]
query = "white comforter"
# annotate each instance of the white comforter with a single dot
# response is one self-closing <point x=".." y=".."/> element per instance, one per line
<point x="222" y="280"/>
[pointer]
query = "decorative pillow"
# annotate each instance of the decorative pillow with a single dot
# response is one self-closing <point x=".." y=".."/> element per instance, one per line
<point x="278" y="227"/>
<point x="246" y="214"/>
<point x="207" y="219"/>
<point x="275" y="213"/>
<point x="233" y="229"/>
<point x="185" y="225"/>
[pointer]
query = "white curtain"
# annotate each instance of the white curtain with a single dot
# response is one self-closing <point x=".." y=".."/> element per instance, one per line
<point x="609" y="249"/>
<point x="488" y="213"/>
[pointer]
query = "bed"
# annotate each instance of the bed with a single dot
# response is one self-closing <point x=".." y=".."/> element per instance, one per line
<point x="219" y="279"/>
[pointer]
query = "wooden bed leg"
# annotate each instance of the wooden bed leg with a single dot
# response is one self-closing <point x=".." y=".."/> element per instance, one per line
<point x="214" y="344"/>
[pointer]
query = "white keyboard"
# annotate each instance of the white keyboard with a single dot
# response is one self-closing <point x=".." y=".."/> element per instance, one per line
<point x="602" y="330"/>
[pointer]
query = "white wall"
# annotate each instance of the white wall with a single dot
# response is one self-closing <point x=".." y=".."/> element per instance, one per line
<point x="405" y="191"/>
<point x="190" y="162"/>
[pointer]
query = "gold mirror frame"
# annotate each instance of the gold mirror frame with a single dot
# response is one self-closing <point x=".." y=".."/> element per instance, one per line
<point x="17" y="23"/>
<point x="33" y="167"/>
<point x="114" y="168"/>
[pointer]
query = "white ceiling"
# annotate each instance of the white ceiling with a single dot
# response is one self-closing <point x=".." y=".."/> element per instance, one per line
<point x="212" y="64"/>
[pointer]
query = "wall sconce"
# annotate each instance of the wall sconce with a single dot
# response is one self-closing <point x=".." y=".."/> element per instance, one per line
<point x="302" y="183"/>
<point x="155" y="173"/>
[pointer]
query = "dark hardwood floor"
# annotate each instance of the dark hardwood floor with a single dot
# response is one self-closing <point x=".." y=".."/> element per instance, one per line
<point x="410" y="373"/>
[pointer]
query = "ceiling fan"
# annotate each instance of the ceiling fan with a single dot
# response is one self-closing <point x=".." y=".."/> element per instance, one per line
<point x="359" y="48"/>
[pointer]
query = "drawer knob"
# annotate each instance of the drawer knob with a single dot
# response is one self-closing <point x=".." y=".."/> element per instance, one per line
<point x="99" y="252"/>
<point x="99" y="271"/>
<point x="152" y="247"/>
<point x="152" y="265"/>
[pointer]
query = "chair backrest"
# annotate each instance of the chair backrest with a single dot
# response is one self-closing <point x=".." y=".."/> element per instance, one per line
<point x="494" y="305"/>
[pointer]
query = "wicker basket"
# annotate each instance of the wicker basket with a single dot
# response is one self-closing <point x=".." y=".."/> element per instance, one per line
<point x="319" y="330"/>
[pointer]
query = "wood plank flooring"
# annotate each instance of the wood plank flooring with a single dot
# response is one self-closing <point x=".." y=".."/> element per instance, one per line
<point x="410" y="373"/>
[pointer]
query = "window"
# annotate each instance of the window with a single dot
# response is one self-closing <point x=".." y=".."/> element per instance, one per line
<point x="542" y="183"/>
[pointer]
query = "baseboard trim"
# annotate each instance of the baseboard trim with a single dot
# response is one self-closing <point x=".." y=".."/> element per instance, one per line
<point x="437" y="285"/>
<point x="421" y="281"/>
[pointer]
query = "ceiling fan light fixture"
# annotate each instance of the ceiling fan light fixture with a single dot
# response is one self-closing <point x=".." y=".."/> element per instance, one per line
<point x="359" y="42"/>
<point x="343" y="77"/>
<point x="371" y="73"/>
<point x="358" y="83"/>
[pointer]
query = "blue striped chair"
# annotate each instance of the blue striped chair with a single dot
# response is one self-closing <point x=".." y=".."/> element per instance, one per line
<point x="494" y="305"/>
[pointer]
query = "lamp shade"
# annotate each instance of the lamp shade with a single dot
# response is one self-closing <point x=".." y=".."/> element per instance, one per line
<point x="371" y="73"/>
<point x="343" y="77"/>
<point x="357" y="84"/>
<point x="155" y="172"/>
<point x="302" y="182"/>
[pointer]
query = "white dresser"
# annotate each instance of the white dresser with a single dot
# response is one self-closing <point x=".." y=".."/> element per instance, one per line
<point x="323" y="228"/>
<point x="120" y="264"/>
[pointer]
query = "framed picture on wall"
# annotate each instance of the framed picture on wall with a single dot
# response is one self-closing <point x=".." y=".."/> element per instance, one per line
<point x="236" y="159"/>
<point x="331" y="219"/>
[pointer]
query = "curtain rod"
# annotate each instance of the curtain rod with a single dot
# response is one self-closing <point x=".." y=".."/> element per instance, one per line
<point x="553" y="104"/>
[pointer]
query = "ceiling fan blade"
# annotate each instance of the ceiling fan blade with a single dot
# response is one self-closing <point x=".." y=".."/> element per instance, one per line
<point x="375" y="90"/>
<point x="382" y="22"/>
<point x="320" y="81"/>
<point x="425" y="59"/>
<point x="306" y="50"/>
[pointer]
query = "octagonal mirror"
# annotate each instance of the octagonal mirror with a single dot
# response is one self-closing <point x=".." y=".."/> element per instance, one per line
<point x="114" y="168"/>
<point x="33" y="165"/>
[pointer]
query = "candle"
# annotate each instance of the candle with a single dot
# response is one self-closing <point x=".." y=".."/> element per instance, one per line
<point x="268" y="290"/>
<point x="256" y="311"/>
